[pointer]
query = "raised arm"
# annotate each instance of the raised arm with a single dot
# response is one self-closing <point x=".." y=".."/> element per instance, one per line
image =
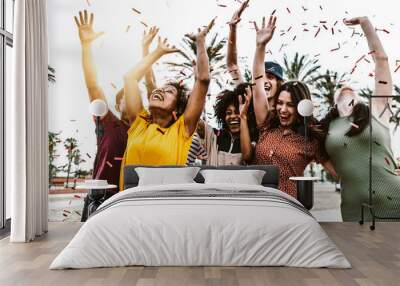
<point x="197" y="98"/>
<point x="87" y="36"/>
<point x="245" y="140"/>
<point x="260" y="101"/>
<point x="231" y="58"/>
<point x="383" y="77"/>
<point x="146" y="42"/>
<point x="133" y="100"/>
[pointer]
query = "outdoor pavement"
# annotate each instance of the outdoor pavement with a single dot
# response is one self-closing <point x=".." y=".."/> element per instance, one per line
<point x="68" y="207"/>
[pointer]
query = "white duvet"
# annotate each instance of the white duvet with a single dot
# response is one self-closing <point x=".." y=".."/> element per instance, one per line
<point x="203" y="231"/>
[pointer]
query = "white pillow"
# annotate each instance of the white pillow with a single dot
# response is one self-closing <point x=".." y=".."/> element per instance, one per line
<point x="248" y="177"/>
<point x="166" y="176"/>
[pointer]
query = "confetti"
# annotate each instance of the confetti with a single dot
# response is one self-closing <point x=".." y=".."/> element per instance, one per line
<point x="316" y="34"/>
<point x="351" y="102"/>
<point x="325" y="27"/>
<point x="144" y="24"/>
<point x="289" y="29"/>
<point x="87" y="154"/>
<point x="317" y="55"/>
<point x="65" y="215"/>
<point x="221" y="5"/>
<point x="397" y="69"/>
<point x="113" y="85"/>
<point x="371" y="52"/>
<point x="294" y="38"/>
<point x="161" y="131"/>
<point x="371" y="74"/>
<point x="304" y="8"/>
<point x="288" y="10"/>
<point x="377" y="143"/>
<point x="360" y="59"/>
<point x="333" y="31"/>
<point x="335" y="49"/>
<point x="273" y="12"/>
<point x="136" y="10"/>
<point x="109" y="164"/>
<point x="127" y="28"/>
<point x="382" y="82"/>
<point x="368" y="61"/>
<point x="78" y="213"/>
<point x="118" y="158"/>
<point x="335" y="23"/>
<point x="354" y="125"/>
<point x="67" y="211"/>
<point x="305" y="30"/>
<point x="320" y="7"/>
<point x="387" y="161"/>
<point x="260" y="76"/>
<point x="77" y="196"/>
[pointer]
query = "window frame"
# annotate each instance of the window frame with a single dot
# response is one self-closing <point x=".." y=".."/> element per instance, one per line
<point x="6" y="39"/>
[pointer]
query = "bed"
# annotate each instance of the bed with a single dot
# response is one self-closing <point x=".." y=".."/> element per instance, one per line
<point x="201" y="224"/>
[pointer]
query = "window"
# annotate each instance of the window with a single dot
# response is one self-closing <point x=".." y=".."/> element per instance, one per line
<point x="6" y="43"/>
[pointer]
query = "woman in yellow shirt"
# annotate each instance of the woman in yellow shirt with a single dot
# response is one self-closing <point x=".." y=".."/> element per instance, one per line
<point x="163" y="135"/>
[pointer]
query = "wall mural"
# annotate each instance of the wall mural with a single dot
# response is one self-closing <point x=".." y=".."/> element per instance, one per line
<point x="170" y="82"/>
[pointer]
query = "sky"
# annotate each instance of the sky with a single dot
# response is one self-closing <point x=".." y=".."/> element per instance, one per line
<point x="119" y="49"/>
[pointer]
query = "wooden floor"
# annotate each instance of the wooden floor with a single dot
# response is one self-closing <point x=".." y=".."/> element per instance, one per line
<point x="375" y="256"/>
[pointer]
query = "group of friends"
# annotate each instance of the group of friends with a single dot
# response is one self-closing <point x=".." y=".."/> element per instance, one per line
<point x="259" y="121"/>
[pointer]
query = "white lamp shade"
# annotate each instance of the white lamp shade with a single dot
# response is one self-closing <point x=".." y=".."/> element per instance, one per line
<point x="305" y="107"/>
<point x="98" y="108"/>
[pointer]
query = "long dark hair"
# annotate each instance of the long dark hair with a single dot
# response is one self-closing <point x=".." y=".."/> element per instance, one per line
<point x="231" y="97"/>
<point x="298" y="91"/>
<point x="360" y="115"/>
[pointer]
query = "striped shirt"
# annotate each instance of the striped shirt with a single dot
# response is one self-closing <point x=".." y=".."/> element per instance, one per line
<point x="196" y="149"/>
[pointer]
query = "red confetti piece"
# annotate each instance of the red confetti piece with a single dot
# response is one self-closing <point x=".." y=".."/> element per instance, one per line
<point x="322" y="22"/>
<point x="118" y="158"/>
<point x="335" y="49"/>
<point x="221" y="5"/>
<point x="288" y="10"/>
<point x="335" y="23"/>
<point x="294" y="38"/>
<point x="360" y="59"/>
<point x="87" y="154"/>
<point x="306" y="30"/>
<point x="77" y="196"/>
<point x="273" y="12"/>
<point x="144" y="24"/>
<point x="136" y="10"/>
<point x="109" y="164"/>
<point x="316" y="34"/>
<point x="382" y="82"/>
<point x="65" y="215"/>
<point x="325" y="27"/>
<point x="258" y="77"/>
<point x="397" y="69"/>
<point x="354" y="125"/>
<point x="289" y="29"/>
<point x="371" y="52"/>
<point x="371" y="74"/>
<point x="333" y="31"/>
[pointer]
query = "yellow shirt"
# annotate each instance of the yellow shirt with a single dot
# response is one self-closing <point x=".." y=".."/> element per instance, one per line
<point x="150" y="144"/>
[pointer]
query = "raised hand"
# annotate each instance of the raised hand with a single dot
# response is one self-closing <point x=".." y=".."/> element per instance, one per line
<point x="264" y="35"/>
<point x="148" y="36"/>
<point x="354" y="21"/>
<point x="202" y="33"/>
<point x="244" y="106"/>
<point x="85" y="27"/>
<point x="238" y="13"/>
<point x="165" y="48"/>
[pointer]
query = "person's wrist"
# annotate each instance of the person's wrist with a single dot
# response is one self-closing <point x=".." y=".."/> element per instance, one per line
<point x="260" y="46"/>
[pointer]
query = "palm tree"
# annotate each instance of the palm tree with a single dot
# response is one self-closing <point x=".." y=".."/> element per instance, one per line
<point x="216" y="56"/>
<point x="326" y="86"/>
<point x="300" y="68"/>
